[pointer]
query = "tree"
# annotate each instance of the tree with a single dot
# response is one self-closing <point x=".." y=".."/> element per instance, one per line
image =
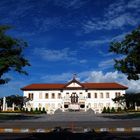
<point x="132" y="100"/>
<point x="19" y="101"/>
<point x="129" y="49"/>
<point x="11" y="57"/>
<point x="128" y="101"/>
<point x="120" y="100"/>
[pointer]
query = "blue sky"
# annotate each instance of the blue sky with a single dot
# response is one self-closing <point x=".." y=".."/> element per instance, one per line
<point x="68" y="36"/>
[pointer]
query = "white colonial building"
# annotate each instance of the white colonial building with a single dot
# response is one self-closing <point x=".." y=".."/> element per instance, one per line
<point x="72" y="96"/>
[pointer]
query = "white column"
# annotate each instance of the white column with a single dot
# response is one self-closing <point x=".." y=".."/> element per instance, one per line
<point x="13" y="107"/>
<point x="85" y="106"/>
<point x="135" y="106"/>
<point x="6" y="107"/>
<point x="4" y="104"/>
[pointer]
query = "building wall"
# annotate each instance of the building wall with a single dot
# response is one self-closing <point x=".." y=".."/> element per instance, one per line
<point x="87" y="96"/>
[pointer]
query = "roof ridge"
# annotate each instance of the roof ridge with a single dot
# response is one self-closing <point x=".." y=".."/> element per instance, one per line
<point x="112" y="85"/>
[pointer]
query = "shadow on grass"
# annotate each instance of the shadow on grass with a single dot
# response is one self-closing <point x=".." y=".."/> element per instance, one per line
<point x="17" y="117"/>
<point x="123" y="116"/>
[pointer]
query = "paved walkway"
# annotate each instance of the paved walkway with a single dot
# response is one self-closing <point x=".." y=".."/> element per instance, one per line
<point x="72" y="116"/>
<point x="84" y="116"/>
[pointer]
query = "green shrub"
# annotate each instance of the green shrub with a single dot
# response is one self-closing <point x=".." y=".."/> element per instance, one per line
<point x="36" y="109"/>
<point x="26" y="110"/>
<point x="113" y="110"/>
<point x="43" y="110"/>
<point x="23" y="110"/>
<point x="104" y="110"/>
<point x="125" y="109"/>
<point x="16" y="108"/>
<point x="31" y="110"/>
<point x="119" y="109"/>
<point x="39" y="109"/>
<point x="108" y="110"/>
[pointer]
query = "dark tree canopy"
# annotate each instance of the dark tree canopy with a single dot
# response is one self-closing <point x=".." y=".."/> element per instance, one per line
<point x="19" y="101"/>
<point x="128" y="100"/>
<point x="129" y="48"/>
<point x="11" y="57"/>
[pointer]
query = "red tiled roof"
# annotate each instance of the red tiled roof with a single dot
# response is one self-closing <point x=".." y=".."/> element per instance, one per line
<point x="84" y="86"/>
<point x="43" y="86"/>
<point x="104" y="86"/>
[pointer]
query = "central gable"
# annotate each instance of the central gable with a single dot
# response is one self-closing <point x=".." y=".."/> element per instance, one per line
<point x="73" y="84"/>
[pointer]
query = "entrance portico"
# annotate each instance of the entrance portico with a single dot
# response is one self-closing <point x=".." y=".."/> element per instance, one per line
<point x="74" y="102"/>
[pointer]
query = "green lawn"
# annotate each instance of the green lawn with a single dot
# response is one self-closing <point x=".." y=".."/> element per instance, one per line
<point x="134" y="115"/>
<point x="16" y="116"/>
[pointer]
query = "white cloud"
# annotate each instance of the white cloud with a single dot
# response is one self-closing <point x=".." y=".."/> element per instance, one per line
<point x="91" y="43"/>
<point x="56" y="55"/>
<point x="115" y="8"/>
<point x="104" y="54"/>
<point x="116" y="16"/>
<point x="99" y="42"/>
<point x="64" y="77"/>
<point x="111" y="23"/>
<point x="14" y="11"/>
<point x="106" y="64"/>
<point x="83" y="61"/>
<point x="134" y="4"/>
<point x="119" y="37"/>
<point x="46" y="24"/>
<point x="97" y="77"/>
<point x="74" y="4"/>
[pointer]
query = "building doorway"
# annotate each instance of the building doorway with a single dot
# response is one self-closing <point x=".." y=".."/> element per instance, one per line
<point x="74" y="98"/>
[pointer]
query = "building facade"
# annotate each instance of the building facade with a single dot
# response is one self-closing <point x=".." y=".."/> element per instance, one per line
<point x="72" y="96"/>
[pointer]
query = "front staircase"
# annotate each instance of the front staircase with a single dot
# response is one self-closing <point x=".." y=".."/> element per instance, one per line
<point x="74" y="107"/>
